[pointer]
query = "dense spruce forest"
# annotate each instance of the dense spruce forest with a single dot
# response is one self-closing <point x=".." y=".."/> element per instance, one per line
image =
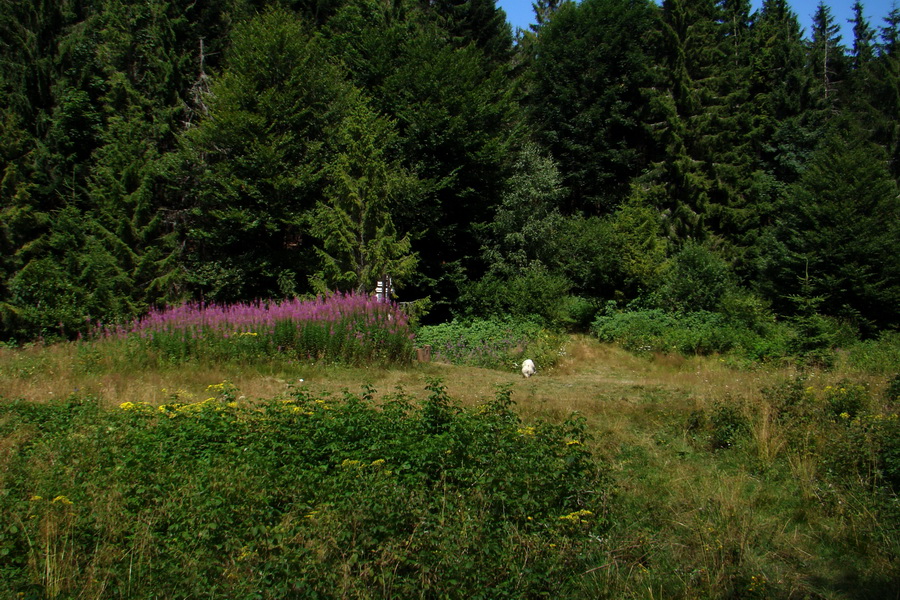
<point x="687" y="156"/>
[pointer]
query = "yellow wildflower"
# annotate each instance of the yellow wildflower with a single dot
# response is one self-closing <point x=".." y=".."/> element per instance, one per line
<point x="526" y="431"/>
<point x="61" y="500"/>
<point x="579" y="516"/>
<point x="127" y="405"/>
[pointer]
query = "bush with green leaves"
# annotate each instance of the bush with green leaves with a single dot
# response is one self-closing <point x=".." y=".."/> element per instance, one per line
<point x="492" y="343"/>
<point x="879" y="355"/>
<point x="535" y="294"/>
<point x="689" y="333"/>
<point x="299" y="496"/>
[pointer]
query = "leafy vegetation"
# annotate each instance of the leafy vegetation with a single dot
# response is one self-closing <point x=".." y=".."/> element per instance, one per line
<point x="296" y="495"/>
<point x="492" y="343"/>
<point x="691" y="478"/>
<point x="347" y="328"/>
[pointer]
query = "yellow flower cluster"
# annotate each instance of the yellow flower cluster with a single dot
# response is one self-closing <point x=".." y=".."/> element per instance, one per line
<point x="137" y="406"/>
<point x="526" y="431"/>
<point x="579" y="516"/>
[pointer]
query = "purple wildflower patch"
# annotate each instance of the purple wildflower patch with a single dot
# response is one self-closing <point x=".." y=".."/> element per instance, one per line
<point x="351" y="328"/>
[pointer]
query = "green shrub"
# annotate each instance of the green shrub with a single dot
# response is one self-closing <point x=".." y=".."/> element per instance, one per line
<point x="536" y="294"/>
<point x="295" y="497"/>
<point x="880" y="355"/>
<point x="492" y="343"/>
<point x="696" y="279"/>
<point x="699" y="332"/>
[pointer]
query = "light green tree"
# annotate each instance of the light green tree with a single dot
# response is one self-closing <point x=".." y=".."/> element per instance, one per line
<point x="360" y="244"/>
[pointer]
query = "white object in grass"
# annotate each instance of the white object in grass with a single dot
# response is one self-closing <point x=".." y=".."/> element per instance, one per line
<point x="528" y="368"/>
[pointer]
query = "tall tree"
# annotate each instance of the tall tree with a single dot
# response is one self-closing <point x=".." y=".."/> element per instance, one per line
<point x="779" y="89"/>
<point x="455" y="116"/>
<point x="586" y="98"/>
<point x="360" y="244"/>
<point x="886" y="90"/>
<point x="686" y="103"/>
<point x="252" y="167"/>
<point x="478" y="22"/>
<point x="840" y="224"/>
<point x="827" y="62"/>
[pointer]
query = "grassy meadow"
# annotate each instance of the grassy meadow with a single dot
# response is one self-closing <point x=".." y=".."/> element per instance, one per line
<point x="127" y="471"/>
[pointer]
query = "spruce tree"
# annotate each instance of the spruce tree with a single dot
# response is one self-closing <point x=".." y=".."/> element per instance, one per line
<point x="827" y="66"/>
<point x="359" y="242"/>
<point x="585" y="98"/>
<point x="252" y="167"/>
<point x="840" y="223"/>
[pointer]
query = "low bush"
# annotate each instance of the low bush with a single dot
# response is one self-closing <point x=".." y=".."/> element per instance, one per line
<point x="880" y="355"/>
<point x="492" y="343"/>
<point x="295" y="497"/>
<point x="699" y="332"/>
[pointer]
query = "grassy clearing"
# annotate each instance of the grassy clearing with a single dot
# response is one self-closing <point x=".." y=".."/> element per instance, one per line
<point x="725" y="483"/>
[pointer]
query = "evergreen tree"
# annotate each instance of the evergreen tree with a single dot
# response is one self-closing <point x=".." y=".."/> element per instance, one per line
<point x="585" y="98"/>
<point x="863" y="39"/>
<point x="360" y="244"/>
<point x="840" y="224"/>
<point x="527" y="225"/>
<point x="826" y="65"/>
<point x="478" y="22"/>
<point x="543" y="11"/>
<point x="886" y="90"/>
<point x="253" y="166"/>
<point x="779" y="91"/>
<point x="455" y="117"/>
<point x="685" y="106"/>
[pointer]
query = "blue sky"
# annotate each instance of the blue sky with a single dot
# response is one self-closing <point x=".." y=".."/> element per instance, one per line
<point x="520" y="13"/>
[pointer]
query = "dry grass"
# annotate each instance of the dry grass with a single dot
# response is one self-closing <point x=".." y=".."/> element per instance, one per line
<point x="699" y="524"/>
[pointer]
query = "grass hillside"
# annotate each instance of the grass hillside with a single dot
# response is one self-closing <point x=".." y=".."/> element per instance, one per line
<point x="608" y="475"/>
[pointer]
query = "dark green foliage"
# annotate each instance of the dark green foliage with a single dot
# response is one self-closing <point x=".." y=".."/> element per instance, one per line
<point x="360" y="245"/>
<point x="697" y="332"/>
<point x="585" y="97"/>
<point x="167" y="150"/>
<point x="837" y="235"/>
<point x="535" y="294"/>
<point x="696" y="280"/>
<point x="254" y="164"/>
<point x="293" y="495"/>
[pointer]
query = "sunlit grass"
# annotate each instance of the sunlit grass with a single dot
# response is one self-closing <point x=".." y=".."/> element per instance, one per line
<point x="764" y="517"/>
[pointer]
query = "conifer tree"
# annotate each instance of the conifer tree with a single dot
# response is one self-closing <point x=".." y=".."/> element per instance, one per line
<point x="840" y="223"/>
<point x="685" y="103"/>
<point x="360" y="244"/>
<point x="585" y="98"/>
<point x="886" y="90"/>
<point x="827" y="63"/>
<point x="253" y="166"/>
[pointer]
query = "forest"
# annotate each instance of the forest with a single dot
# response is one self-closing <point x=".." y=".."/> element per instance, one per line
<point x="620" y="155"/>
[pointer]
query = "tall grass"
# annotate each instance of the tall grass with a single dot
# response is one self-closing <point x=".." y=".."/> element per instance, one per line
<point x="702" y="480"/>
<point x="346" y="328"/>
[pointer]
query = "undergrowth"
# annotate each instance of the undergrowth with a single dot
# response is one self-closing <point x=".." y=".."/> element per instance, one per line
<point x="301" y="496"/>
<point x="492" y="343"/>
